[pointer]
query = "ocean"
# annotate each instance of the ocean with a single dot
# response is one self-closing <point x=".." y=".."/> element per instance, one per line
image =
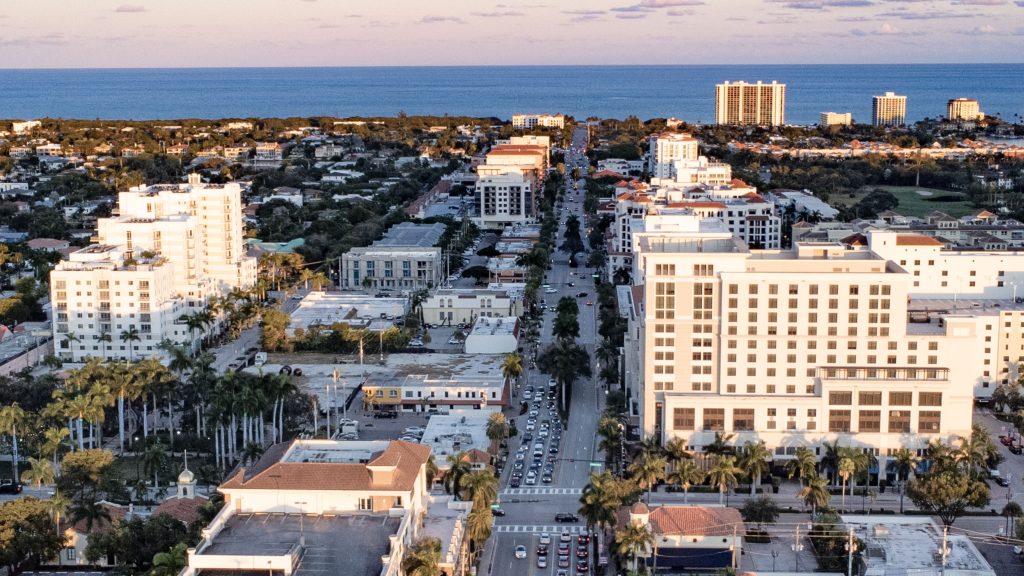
<point x="685" y="92"/>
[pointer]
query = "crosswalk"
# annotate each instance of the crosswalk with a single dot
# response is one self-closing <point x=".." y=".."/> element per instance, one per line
<point x="530" y="529"/>
<point x="541" y="491"/>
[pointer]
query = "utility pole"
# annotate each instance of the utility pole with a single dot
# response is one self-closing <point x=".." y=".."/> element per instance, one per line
<point x="849" y="553"/>
<point x="945" y="550"/>
<point x="796" y="548"/>
<point x="735" y="563"/>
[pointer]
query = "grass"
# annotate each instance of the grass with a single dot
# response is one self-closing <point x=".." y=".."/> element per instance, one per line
<point x="914" y="204"/>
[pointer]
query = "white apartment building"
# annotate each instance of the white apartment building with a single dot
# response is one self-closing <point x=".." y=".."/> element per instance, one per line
<point x="835" y="119"/>
<point x="760" y="104"/>
<point x="269" y="155"/>
<point x="168" y="251"/>
<point x="534" y="120"/>
<point x="504" y="200"/>
<point x="406" y="259"/>
<point x="889" y="110"/>
<point x="452" y="306"/>
<point x="964" y="109"/>
<point x="665" y="149"/>
<point x="329" y="151"/>
<point x="804" y="346"/>
<point x="696" y="172"/>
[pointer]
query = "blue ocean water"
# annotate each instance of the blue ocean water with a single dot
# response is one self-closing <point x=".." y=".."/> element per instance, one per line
<point x="685" y="92"/>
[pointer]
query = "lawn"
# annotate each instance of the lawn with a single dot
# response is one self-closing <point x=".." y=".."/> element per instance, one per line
<point x="914" y="204"/>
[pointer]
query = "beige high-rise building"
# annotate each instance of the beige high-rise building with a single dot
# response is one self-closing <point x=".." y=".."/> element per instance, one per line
<point x="757" y="104"/>
<point x="889" y="109"/>
<point x="664" y="149"/>
<point x="835" y="119"/>
<point x="806" y="346"/>
<point x="964" y="109"/>
<point x="170" y="248"/>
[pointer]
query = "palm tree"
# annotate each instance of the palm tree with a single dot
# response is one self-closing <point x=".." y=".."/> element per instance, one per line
<point x="153" y="460"/>
<point x="512" y="366"/>
<point x="754" y="461"/>
<point x="497" y="428"/>
<point x="804" y="464"/>
<point x="40" y="473"/>
<point x="478" y="526"/>
<point x="610" y="431"/>
<point x="128" y="336"/>
<point x="686" y="474"/>
<point x="11" y="418"/>
<point x="905" y="462"/>
<point x="851" y="462"/>
<point x="71" y="338"/>
<point x="126" y="386"/>
<point x="458" y="466"/>
<point x="830" y="460"/>
<point x="481" y="487"/>
<point x="632" y="540"/>
<point x="424" y="559"/>
<point x="90" y="511"/>
<point x="170" y="563"/>
<point x="599" y="502"/>
<point x="647" y="470"/>
<point x="57" y="505"/>
<point x="675" y="452"/>
<point x="432" y="470"/>
<point x="193" y="322"/>
<point x="251" y="453"/>
<point x="815" y="493"/>
<point x="105" y="339"/>
<point x="1011" y="512"/>
<point x="723" y="474"/>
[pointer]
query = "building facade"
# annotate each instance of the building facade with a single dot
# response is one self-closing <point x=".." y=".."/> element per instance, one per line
<point x="964" y="109"/>
<point x="795" y="348"/>
<point x="835" y="119"/>
<point x="760" y="104"/>
<point x="535" y="120"/>
<point x="169" y="250"/>
<point x="504" y="200"/>
<point x="889" y="110"/>
<point x="453" y="306"/>
<point x="665" y="149"/>
<point x="406" y="259"/>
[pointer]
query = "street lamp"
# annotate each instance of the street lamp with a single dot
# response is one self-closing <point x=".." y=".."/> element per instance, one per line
<point x="775" y="554"/>
<point x="302" y="528"/>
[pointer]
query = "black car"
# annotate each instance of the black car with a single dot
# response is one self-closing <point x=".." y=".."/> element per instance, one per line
<point x="10" y="488"/>
<point x="496" y="510"/>
<point x="564" y="517"/>
<point x="581" y="295"/>
<point x="1001" y="481"/>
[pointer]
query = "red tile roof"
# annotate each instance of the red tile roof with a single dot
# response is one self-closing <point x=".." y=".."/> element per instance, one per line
<point x="185" y="510"/>
<point x="690" y="520"/>
<point x="916" y="240"/>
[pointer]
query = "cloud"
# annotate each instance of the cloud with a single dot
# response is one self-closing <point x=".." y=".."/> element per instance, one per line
<point x="981" y="2"/>
<point x="909" y="15"/>
<point x="670" y="3"/>
<point x="583" y="12"/>
<point x="632" y="8"/>
<point x="631" y="15"/>
<point x="1020" y="3"/>
<point x="440" y="19"/>
<point x="885" y="29"/>
<point x="822" y="4"/>
<point x="130" y="8"/>
<point x="44" y="40"/>
<point x="328" y="26"/>
<point x="499" y="14"/>
<point x="679" y="13"/>
<point x="984" y="30"/>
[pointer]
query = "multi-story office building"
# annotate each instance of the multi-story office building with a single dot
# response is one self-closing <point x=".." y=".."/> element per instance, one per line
<point x="453" y="306"/>
<point x="835" y="119"/>
<point x="760" y="104"/>
<point x="168" y="251"/>
<point x="665" y="149"/>
<point x="534" y="120"/>
<point x="805" y="346"/>
<point x="889" y="110"/>
<point x="504" y="200"/>
<point x="406" y="259"/>
<point x="964" y="109"/>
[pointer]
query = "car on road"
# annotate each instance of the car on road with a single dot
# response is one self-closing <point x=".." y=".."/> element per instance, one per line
<point x="416" y="342"/>
<point x="566" y="517"/>
<point x="582" y="567"/>
<point x="546" y="479"/>
<point x="581" y="295"/>
<point x="496" y="510"/>
<point x="520" y="551"/>
<point x="10" y="488"/>
<point x="542" y="561"/>
<point x="453" y="341"/>
<point x="563" y="561"/>
<point x="583" y="539"/>
<point x="564" y="537"/>
<point x="550" y="291"/>
<point x="1001" y="481"/>
<point x="562" y="573"/>
<point x="515" y="482"/>
<point x="590" y="302"/>
<point x="545" y="538"/>
<point x="531" y="479"/>
<point x="581" y="552"/>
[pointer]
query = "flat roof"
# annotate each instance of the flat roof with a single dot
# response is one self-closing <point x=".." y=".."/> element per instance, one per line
<point x="326" y="308"/>
<point x="912" y="544"/>
<point x="343" y="544"/>
<point x="971" y="306"/>
<point x="435" y="366"/>
<point x="409" y="234"/>
<point x="459" y="430"/>
<point x="486" y="326"/>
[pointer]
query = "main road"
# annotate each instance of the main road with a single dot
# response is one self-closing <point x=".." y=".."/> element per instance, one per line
<point x="530" y="510"/>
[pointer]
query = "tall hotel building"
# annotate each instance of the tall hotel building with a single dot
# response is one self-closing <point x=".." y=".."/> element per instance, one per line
<point x="760" y="104"/>
<point x="889" y="110"/>
<point x="665" y="149"/>
<point x="166" y="252"/>
<point x="878" y="347"/>
<point x="964" y="109"/>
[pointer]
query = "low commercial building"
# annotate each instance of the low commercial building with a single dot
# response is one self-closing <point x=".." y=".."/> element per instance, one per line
<point x="405" y="260"/>
<point x="493" y="336"/>
<point x="451" y="306"/>
<point x="459" y="430"/>
<point x="913" y="545"/>
<point x="535" y="120"/>
<point x="440" y="382"/>
<point x="343" y="507"/>
<point x="689" y="538"/>
<point x="321" y="310"/>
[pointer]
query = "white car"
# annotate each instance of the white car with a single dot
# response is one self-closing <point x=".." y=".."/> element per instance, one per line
<point x="415" y="430"/>
<point x="545" y="538"/>
<point x="520" y="552"/>
<point x="550" y="291"/>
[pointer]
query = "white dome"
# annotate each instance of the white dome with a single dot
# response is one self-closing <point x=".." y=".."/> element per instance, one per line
<point x="186" y="477"/>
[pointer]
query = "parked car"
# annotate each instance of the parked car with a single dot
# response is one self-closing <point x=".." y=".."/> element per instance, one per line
<point x="10" y="488"/>
<point x="566" y="517"/>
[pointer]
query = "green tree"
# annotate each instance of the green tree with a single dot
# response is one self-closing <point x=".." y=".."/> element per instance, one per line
<point x="647" y="470"/>
<point x="171" y="562"/>
<point x="478" y="526"/>
<point x="458" y="466"/>
<point x="27" y="537"/>
<point x="12" y="418"/>
<point x="686" y="475"/>
<point x="762" y="510"/>
<point x="424" y="559"/>
<point x="136" y="542"/>
<point x="40" y="472"/>
<point x="804" y="464"/>
<point x="610" y="431"/>
<point x="153" y="461"/>
<point x="815" y="493"/>
<point x="948" y="493"/>
<point x="723" y="474"/>
<point x="497" y="428"/>
<point x="851" y="462"/>
<point x="633" y="540"/>
<point x="753" y="459"/>
<point x="129" y="337"/>
<point x="601" y="500"/>
<point x="274" y="327"/>
<point x="512" y="366"/>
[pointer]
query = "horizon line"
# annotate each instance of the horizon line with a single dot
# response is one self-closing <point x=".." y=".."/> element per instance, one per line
<point x="315" y="67"/>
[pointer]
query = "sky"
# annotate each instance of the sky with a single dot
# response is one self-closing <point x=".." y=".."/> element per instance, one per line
<point x="213" y="33"/>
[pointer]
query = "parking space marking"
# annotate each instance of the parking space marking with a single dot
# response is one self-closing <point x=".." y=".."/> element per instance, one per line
<point x="541" y="491"/>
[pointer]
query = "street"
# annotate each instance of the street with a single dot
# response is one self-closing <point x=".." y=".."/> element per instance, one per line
<point x="530" y="510"/>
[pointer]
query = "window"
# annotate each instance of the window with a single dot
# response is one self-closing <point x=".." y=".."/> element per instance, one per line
<point x="929" y="399"/>
<point x="899" y="421"/>
<point x="838" y="420"/>
<point x="840" y="398"/>
<point x="69" y="554"/>
<point x="366" y="504"/>
<point x="870" y="398"/>
<point x="665" y="269"/>
<point x="901" y="398"/>
<point x="869" y="421"/>
<point x="929" y="421"/>
<point x="743" y="419"/>
<point x="665" y="300"/>
<point x="682" y="418"/>
<point x="714" y="419"/>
